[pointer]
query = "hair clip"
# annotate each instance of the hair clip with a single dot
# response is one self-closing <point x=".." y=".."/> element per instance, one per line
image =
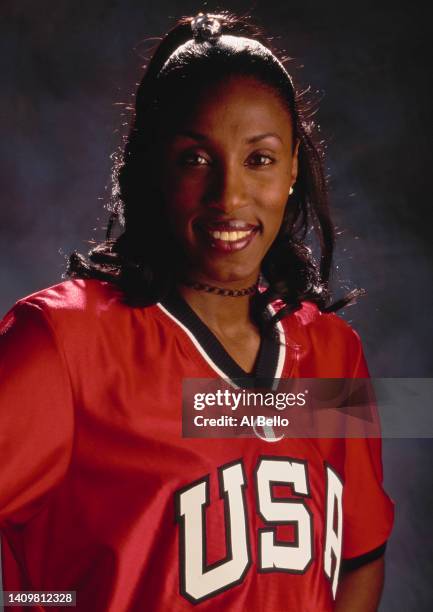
<point x="206" y="28"/>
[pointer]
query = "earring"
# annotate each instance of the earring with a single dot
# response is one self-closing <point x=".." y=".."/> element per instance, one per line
<point x="291" y="191"/>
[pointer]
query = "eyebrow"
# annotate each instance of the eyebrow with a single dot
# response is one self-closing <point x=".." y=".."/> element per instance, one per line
<point x="253" y="139"/>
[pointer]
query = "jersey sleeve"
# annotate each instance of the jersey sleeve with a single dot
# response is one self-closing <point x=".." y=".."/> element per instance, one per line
<point x="36" y="413"/>
<point x="368" y="511"/>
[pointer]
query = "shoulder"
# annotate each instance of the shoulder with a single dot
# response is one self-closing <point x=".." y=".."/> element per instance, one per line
<point x="81" y="299"/>
<point x="326" y="339"/>
<point x="84" y="320"/>
<point x="73" y="295"/>
<point x="74" y="307"/>
<point x="326" y="324"/>
<point x="310" y="319"/>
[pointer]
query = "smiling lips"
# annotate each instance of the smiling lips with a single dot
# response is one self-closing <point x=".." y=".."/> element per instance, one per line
<point x="229" y="235"/>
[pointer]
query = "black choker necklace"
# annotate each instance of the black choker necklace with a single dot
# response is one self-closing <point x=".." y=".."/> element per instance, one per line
<point x="221" y="291"/>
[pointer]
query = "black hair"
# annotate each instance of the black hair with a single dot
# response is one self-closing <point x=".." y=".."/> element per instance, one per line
<point x="143" y="262"/>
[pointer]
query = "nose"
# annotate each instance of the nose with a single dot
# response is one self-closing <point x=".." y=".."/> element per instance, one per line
<point x="228" y="191"/>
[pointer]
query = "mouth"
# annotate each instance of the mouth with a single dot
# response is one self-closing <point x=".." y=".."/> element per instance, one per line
<point x="226" y="236"/>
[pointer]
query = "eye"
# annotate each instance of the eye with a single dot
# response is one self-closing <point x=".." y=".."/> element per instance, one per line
<point x="260" y="159"/>
<point x="190" y="158"/>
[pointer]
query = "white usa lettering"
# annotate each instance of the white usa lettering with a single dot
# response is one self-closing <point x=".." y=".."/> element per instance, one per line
<point x="200" y="582"/>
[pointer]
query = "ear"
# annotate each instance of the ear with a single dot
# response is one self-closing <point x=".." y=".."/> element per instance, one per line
<point x="294" y="170"/>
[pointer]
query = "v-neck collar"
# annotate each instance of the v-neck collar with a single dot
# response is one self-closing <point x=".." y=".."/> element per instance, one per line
<point x="269" y="358"/>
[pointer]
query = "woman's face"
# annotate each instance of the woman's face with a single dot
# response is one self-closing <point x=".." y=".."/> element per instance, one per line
<point x="227" y="171"/>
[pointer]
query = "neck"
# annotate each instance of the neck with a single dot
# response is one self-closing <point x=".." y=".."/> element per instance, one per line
<point x="220" y="313"/>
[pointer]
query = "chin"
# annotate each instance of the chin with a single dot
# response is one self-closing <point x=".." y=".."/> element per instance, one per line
<point x="235" y="274"/>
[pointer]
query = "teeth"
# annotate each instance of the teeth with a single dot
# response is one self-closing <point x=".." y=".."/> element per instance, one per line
<point x="229" y="236"/>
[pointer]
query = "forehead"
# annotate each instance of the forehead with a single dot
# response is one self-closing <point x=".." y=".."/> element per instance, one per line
<point x="235" y="107"/>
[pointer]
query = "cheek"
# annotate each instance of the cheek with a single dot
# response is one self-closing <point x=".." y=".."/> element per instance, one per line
<point x="182" y="191"/>
<point x="180" y="214"/>
<point x="183" y="200"/>
<point x="181" y="206"/>
<point x="275" y="201"/>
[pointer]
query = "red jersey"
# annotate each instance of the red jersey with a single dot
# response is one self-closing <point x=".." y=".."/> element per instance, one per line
<point x="100" y="493"/>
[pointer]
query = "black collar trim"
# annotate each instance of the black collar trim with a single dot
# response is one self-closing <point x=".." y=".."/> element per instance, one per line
<point x="267" y="359"/>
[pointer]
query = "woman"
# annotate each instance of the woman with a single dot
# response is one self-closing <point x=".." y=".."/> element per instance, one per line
<point x="209" y="279"/>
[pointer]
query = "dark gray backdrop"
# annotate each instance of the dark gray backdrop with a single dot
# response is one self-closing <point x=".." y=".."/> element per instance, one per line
<point x="66" y="64"/>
